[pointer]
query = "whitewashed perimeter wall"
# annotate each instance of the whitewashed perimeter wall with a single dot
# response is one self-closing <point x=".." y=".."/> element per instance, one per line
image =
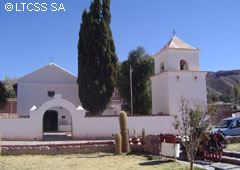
<point x="86" y="127"/>
<point x="106" y="127"/>
<point x="18" y="129"/>
<point x="82" y="127"/>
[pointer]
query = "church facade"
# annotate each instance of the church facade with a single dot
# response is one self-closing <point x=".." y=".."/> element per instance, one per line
<point x="42" y="85"/>
<point x="36" y="88"/>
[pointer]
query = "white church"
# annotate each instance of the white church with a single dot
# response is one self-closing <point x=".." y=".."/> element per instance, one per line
<point x="47" y="99"/>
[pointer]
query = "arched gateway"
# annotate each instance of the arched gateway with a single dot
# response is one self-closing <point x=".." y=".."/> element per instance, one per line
<point x="39" y="114"/>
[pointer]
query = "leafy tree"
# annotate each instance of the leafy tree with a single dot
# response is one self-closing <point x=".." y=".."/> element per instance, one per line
<point x="142" y="68"/>
<point x="193" y="122"/>
<point x="236" y="90"/>
<point x="226" y="98"/>
<point x="212" y="98"/>
<point x="97" y="60"/>
<point x="3" y="95"/>
<point x="9" y="82"/>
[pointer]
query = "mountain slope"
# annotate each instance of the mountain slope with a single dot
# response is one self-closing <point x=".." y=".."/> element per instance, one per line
<point x="222" y="82"/>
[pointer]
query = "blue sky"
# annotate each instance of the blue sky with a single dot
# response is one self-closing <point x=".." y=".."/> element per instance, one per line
<point x="28" y="40"/>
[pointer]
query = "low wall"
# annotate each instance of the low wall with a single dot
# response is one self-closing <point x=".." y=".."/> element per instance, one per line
<point x="83" y="127"/>
<point x="103" y="127"/>
<point x="57" y="149"/>
<point x="233" y="139"/>
<point x="18" y="129"/>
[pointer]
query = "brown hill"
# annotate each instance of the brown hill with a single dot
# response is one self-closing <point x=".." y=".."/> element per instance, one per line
<point x="222" y="82"/>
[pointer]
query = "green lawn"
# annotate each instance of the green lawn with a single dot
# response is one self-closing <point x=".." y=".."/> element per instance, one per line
<point x="233" y="147"/>
<point x="98" y="161"/>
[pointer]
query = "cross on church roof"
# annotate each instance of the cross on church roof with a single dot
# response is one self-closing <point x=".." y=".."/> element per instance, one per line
<point x="174" y="32"/>
<point x="51" y="60"/>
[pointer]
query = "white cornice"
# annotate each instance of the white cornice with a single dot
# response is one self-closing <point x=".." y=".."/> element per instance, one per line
<point x="47" y="84"/>
<point x="179" y="72"/>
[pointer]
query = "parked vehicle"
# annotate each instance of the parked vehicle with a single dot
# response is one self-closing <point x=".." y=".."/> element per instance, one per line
<point x="229" y="126"/>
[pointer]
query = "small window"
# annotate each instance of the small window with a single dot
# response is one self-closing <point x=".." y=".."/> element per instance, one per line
<point x="51" y="93"/>
<point x="238" y="123"/>
<point x="183" y="65"/>
<point x="63" y="117"/>
<point x="234" y="124"/>
<point x="162" y="67"/>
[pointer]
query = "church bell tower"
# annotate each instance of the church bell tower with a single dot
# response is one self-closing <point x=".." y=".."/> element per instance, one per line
<point x="177" y="75"/>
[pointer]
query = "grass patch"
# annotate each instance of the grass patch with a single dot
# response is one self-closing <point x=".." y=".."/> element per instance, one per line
<point x="97" y="161"/>
<point x="196" y="168"/>
<point x="233" y="147"/>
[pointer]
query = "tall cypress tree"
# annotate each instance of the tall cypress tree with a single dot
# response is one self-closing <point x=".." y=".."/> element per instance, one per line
<point x="97" y="60"/>
<point x="3" y="95"/>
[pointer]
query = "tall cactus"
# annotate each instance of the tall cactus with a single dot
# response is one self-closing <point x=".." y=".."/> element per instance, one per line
<point x="124" y="131"/>
<point x="143" y="133"/>
<point x="0" y="144"/>
<point x="135" y="133"/>
<point x="118" y="144"/>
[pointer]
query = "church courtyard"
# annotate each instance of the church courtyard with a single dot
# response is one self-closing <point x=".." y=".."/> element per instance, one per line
<point x="100" y="161"/>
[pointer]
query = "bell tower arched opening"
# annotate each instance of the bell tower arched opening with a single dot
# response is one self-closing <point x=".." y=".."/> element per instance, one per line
<point x="162" y="67"/>
<point x="183" y="65"/>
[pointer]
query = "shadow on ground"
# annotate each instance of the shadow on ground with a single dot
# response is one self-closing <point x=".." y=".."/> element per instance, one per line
<point x="94" y="156"/>
<point x="150" y="157"/>
<point x="155" y="162"/>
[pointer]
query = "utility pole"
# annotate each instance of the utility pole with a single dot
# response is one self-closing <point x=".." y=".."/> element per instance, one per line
<point x="131" y="89"/>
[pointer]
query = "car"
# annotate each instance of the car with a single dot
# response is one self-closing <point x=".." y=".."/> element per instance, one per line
<point x="229" y="126"/>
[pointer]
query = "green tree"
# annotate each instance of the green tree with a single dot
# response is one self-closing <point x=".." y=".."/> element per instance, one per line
<point x="97" y="60"/>
<point x="212" y="97"/>
<point x="3" y="95"/>
<point x="193" y="122"/>
<point x="9" y="82"/>
<point x="236" y="90"/>
<point x="142" y="68"/>
<point x="226" y="98"/>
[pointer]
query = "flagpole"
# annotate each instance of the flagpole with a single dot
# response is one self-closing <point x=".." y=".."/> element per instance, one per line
<point x="131" y="89"/>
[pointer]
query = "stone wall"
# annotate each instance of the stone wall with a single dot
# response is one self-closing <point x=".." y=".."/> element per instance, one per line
<point x="233" y="139"/>
<point x="57" y="149"/>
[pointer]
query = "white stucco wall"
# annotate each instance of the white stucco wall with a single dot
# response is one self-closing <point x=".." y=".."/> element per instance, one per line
<point x="175" y="56"/>
<point x="160" y="97"/>
<point x="51" y="74"/>
<point x="106" y="127"/>
<point x="87" y="128"/>
<point x="33" y="88"/>
<point x="170" y="86"/>
<point x="162" y="57"/>
<point x="187" y="87"/>
<point x="30" y="94"/>
<point x="18" y="129"/>
<point x="82" y="127"/>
